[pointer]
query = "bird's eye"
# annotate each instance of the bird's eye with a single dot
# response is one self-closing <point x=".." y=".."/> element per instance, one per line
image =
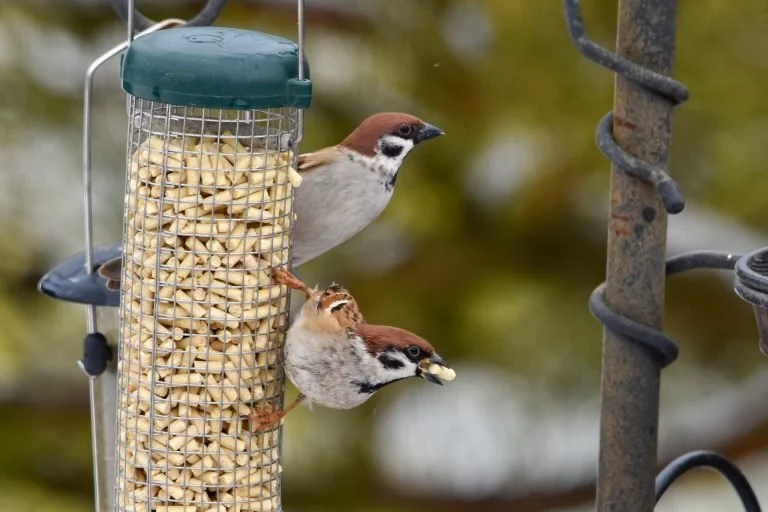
<point x="414" y="351"/>
<point x="405" y="129"/>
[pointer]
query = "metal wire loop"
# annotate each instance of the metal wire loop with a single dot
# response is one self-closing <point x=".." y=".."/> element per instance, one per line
<point x="204" y="18"/>
<point x="666" y="186"/>
<point x="669" y="88"/>
<point x="714" y="461"/>
<point x="656" y="83"/>
<point x="656" y="341"/>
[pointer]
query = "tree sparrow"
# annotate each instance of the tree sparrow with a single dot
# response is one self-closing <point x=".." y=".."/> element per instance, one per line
<point x="344" y="187"/>
<point x="339" y="361"/>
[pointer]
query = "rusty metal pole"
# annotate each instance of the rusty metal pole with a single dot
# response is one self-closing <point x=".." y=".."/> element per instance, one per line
<point x="635" y="265"/>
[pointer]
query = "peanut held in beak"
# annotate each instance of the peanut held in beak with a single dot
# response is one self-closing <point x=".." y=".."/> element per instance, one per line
<point x="435" y="370"/>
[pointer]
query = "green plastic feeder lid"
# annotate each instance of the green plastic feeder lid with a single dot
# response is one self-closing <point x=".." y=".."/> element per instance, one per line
<point x="213" y="67"/>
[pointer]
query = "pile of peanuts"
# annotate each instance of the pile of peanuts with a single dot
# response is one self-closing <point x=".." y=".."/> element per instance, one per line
<point x="201" y="325"/>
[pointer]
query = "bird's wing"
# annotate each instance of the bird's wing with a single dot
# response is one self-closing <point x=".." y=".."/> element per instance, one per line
<point x="112" y="270"/>
<point x="341" y="305"/>
<point x="309" y="161"/>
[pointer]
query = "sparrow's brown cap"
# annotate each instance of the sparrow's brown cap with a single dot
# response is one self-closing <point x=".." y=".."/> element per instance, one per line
<point x="365" y="137"/>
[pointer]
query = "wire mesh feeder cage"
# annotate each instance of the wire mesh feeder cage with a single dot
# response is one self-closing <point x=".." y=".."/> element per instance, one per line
<point x="751" y="285"/>
<point x="214" y="118"/>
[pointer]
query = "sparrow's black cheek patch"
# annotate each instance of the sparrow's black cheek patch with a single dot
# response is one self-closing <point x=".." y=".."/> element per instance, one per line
<point x="366" y="388"/>
<point x="390" y="363"/>
<point x="391" y="150"/>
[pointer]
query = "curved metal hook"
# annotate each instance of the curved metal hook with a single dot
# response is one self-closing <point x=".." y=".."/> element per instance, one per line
<point x="87" y="94"/>
<point x="715" y="461"/>
<point x="88" y="214"/>
<point x="671" y="89"/>
<point x="205" y="17"/>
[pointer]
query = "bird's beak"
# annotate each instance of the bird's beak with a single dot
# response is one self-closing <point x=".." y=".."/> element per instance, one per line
<point x="427" y="132"/>
<point x="435" y="370"/>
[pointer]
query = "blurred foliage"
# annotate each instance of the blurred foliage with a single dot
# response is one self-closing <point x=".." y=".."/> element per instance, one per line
<point x="490" y="248"/>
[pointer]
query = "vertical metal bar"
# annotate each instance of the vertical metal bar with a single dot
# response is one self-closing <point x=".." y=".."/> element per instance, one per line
<point x="300" y="22"/>
<point x="97" y="491"/>
<point x="129" y="40"/>
<point x="105" y="395"/>
<point x="635" y="265"/>
<point x="88" y="88"/>
<point x="300" y="72"/>
<point x="90" y="315"/>
<point x="131" y="12"/>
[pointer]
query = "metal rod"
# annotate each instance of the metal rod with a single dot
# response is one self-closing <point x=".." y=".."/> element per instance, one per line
<point x="131" y="20"/>
<point x="300" y="113"/>
<point x="301" y="38"/>
<point x="635" y="265"/>
<point x="88" y="204"/>
<point x="131" y="12"/>
<point x="94" y="446"/>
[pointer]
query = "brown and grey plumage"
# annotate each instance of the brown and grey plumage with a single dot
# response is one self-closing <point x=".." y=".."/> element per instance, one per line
<point x="338" y="360"/>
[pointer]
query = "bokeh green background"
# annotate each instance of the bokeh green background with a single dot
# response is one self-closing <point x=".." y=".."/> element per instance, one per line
<point x="490" y="248"/>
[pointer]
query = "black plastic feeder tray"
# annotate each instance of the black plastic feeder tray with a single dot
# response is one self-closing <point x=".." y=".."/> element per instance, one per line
<point x="68" y="280"/>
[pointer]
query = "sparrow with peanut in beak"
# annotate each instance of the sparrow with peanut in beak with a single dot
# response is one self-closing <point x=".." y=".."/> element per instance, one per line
<point x="336" y="359"/>
<point x="344" y="187"/>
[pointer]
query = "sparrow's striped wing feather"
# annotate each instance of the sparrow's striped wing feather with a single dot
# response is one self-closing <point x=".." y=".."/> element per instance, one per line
<point x="309" y="161"/>
<point x="112" y="271"/>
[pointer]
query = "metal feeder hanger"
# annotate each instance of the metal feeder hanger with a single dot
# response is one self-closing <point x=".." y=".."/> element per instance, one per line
<point x="635" y="349"/>
<point x="215" y="117"/>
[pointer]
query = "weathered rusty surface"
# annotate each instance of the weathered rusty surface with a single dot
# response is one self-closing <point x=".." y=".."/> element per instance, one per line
<point x="635" y="266"/>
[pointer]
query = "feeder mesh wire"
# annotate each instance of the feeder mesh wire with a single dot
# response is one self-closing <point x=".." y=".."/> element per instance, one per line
<point x="208" y="214"/>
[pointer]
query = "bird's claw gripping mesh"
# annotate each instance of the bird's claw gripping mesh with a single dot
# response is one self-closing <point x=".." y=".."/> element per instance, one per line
<point x="208" y="214"/>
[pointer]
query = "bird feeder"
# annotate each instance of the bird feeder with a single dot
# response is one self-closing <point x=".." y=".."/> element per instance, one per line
<point x="214" y="119"/>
